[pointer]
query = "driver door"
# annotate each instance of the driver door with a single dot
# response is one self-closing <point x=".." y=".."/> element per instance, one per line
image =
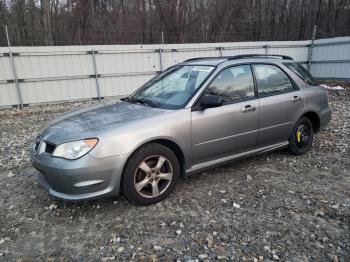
<point x="231" y="128"/>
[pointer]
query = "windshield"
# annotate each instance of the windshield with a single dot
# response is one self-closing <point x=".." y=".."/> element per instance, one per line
<point x="173" y="88"/>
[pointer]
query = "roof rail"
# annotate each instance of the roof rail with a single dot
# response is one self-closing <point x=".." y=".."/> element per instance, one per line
<point x="208" y="57"/>
<point x="242" y="57"/>
<point x="259" y="56"/>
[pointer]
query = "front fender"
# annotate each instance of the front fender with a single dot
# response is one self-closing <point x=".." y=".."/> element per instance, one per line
<point x="174" y="127"/>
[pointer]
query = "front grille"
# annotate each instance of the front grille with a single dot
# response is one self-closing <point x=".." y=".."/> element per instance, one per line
<point x="42" y="146"/>
<point x="49" y="148"/>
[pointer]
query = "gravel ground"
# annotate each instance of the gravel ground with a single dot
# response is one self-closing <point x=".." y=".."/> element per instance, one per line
<point x="270" y="207"/>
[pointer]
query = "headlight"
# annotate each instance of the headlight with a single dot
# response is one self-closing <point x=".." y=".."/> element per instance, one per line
<point x="75" y="149"/>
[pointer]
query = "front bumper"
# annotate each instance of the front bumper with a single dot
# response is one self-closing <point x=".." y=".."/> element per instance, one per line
<point x="81" y="179"/>
<point x="325" y="118"/>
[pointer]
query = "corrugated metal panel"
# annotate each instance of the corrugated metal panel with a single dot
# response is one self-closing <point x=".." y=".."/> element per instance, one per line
<point x="171" y="58"/>
<point x="57" y="73"/>
<point x="8" y="95"/>
<point x="52" y="66"/>
<point x="298" y="53"/>
<point x="334" y="70"/>
<point x="111" y="63"/>
<point x="332" y="52"/>
<point x="5" y="68"/>
<point x="49" y="91"/>
<point x="328" y="50"/>
<point x="123" y="85"/>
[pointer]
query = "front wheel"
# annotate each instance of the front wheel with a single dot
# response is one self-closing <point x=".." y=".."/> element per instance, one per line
<point x="301" y="138"/>
<point x="150" y="175"/>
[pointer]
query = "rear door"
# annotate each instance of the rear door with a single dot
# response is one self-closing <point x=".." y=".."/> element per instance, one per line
<point x="233" y="127"/>
<point x="280" y="102"/>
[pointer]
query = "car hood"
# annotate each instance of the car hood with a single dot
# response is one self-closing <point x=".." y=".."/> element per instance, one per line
<point x="88" y="122"/>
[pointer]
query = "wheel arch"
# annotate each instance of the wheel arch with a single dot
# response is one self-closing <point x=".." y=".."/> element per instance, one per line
<point x="314" y="118"/>
<point x="173" y="146"/>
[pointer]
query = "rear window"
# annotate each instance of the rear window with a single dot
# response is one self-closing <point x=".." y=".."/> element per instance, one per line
<point x="300" y="71"/>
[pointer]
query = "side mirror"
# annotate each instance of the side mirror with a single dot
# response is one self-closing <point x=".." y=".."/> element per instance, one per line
<point x="209" y="101"/>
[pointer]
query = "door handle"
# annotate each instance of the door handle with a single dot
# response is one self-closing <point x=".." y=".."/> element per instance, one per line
<point x="296" y="98"/>
<point x="248" y="108"/>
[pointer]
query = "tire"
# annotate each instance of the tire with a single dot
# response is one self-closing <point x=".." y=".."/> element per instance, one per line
<point x="301" y="138"/>
<point x="142" y="176"/>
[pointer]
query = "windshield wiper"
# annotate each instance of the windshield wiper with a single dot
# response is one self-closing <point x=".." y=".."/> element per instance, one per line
<point x="137" y="100"/>
<point x="141" y="101"/>
<point x="125" y="99"/>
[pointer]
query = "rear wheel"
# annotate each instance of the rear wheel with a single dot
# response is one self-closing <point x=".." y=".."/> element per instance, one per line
<point x="151" y="174"/>
<point x="301" y="138"/>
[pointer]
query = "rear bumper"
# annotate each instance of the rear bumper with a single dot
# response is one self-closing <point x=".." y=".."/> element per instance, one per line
<point x="325" y="118"/>
<point x="81" y="179"/>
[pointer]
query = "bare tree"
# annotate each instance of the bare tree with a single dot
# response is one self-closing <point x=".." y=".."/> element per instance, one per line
<point x="67" y="22"/>
<point x="46" y="22"/>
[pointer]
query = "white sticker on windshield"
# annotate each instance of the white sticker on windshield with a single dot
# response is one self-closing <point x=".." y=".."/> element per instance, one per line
<point x="202" y="68"/>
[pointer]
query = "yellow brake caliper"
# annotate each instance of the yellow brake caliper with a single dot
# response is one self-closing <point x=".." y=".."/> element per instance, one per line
<point x="298" y="136"/>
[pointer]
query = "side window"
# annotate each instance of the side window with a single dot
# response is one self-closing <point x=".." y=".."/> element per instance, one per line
<point x="271" y="80"/>
<point x="234" y="84"/>
<point x="300" y="71"/>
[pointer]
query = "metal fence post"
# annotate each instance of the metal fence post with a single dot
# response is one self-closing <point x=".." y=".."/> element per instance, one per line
<point x="93" y="52"/>
<point x="266" y="49"/>
<point x="221" y="49"/>
<point x="14" y="71"/>
<point x="160" y="50"/>
<point x="311" y="47"/>
<point x="160" y="53"/>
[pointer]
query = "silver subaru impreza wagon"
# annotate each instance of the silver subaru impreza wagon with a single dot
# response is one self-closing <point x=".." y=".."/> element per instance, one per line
<point x="193" y="116"/>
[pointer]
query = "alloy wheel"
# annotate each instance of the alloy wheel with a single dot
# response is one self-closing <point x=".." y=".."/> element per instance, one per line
<point x="153" y="176"/>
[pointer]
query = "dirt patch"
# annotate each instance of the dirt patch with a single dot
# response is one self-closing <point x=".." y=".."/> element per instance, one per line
<point x="270" y="207"/>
